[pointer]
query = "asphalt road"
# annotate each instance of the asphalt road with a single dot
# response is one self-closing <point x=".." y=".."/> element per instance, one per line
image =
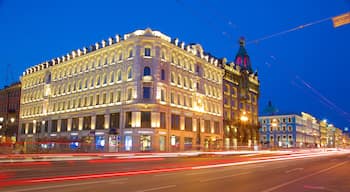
<point x="326" y="173"/>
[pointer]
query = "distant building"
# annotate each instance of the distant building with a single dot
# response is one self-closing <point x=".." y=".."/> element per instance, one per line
<point x="240" y="101"/>
<point x="142" y="92"/>
<point x="334" y="136"/>
<point x="9" y="112"/>
<point x="289" y="130"/>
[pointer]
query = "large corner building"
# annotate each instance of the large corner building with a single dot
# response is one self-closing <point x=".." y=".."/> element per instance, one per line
<point x="241" y="89"/>
<point x="140" y="92"/>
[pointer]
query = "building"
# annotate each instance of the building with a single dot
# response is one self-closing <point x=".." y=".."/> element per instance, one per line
<point x="240" y="101"/>
<point x="9" y="112"/>
<point x="323" y="132"/>
<point x="289" y="130"/>
<point x="140" y="92"/>
<point x="334" y="136"/>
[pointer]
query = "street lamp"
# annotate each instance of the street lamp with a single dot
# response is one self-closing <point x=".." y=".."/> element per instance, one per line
<point x="274" y="125"/>
<point x="12" y="119"/>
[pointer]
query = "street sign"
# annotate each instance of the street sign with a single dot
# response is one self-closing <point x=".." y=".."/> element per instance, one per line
<point x="341" y="20"/>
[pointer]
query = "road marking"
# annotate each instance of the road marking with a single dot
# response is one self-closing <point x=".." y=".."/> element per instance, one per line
<point x="115" y="181"/>
<point x="157" y="188"/>
<point x="304" y="177"/>
<point x="223" y="177"/>
<point x="314" y="187"/>
<point x="166" y="174"/>
<point x="293" y="170"/>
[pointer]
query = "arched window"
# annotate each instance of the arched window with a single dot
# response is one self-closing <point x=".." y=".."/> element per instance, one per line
<point x="185" y="82"/>
<point x="162" y="74"/>
<point x="111" y="78"/>
<point x="130" y="53"/>
<point x="179" y="79"/>
<point x="191" y="84"/>
<point x="120" y="56"/>
<point x="85" y="84"/>
<point x="80" y="85"/>
<point x="92" y="82"/>
<point x="104" y="79"/>
<point x="172" y="77"/>
<point x="146" y="71"/>
<point x="119" y="75"/>
<point x="129" y="73"/>
<point x="98" y="80"/>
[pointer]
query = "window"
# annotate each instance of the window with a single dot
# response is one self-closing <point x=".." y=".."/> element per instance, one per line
<point x="128" y="118"/>
<point x="91" y="100"/>
<point x="179" y="80"/>
<point x="92" y="82"/>
<point x="162" y="74"/>
<point x="98" y="80"/>
<point x="130" y="53"/>
<point x="85" y="83"/>
<point x="129" y="94"/>
<point x="162" y="95"/>
<point x="145" y="119"/>
<point x="172" y="78"/>
<point x="64" y="124"/>
<point x="118" y="96"/>
<point x="104" y="98"/>
<point x="147" y="52"/>
<point x="146" y="71"/>
<point x="100" y="121"/>
<point x="188" y="123"/>
<point x="111" y="78"/>
<point x="162" y="120"/>
<point x="111" y="97"/>
<point x="172" y="98"/>
<point x="175" y="122"/>
<point x="104" y="79"/>
<point x="114" y="121"/>
<point x="119" y="76"/>
<point x="216" y="127"/>
<point x="207" y="126"/>
<point x="53" y="126"/>
<point x="97" y="99"/>
<point x="129" y="73"/>
<point x="147" y="92"/>
<point x="86" y="123"/>
<point x="85" y="101"/>
<point x="289" y="128"/>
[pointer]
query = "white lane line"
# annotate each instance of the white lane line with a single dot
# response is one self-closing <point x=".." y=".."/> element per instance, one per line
<point x="314" y="187"/>
<point x="166" y="174"/>
<point x="157" y="188"/>
<point x="293" y="170"/>
<point x="223" y="177"/>
<point x="115" y="181"/>
<point x="304" y="177"/>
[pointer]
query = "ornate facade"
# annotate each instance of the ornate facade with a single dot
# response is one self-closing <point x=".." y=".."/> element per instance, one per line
<point x="240" y="102"/>
<point x="142" y="92"/>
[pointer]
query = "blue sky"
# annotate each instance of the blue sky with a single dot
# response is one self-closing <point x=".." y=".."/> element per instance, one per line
<point x="306" y="70"/>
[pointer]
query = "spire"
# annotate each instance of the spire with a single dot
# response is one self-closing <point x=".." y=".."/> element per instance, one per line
<point x="242" y="58"/>
<point x="270" y="109"/>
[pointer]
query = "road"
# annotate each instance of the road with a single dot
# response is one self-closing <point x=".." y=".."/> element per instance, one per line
<point x="263" y="174"/>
